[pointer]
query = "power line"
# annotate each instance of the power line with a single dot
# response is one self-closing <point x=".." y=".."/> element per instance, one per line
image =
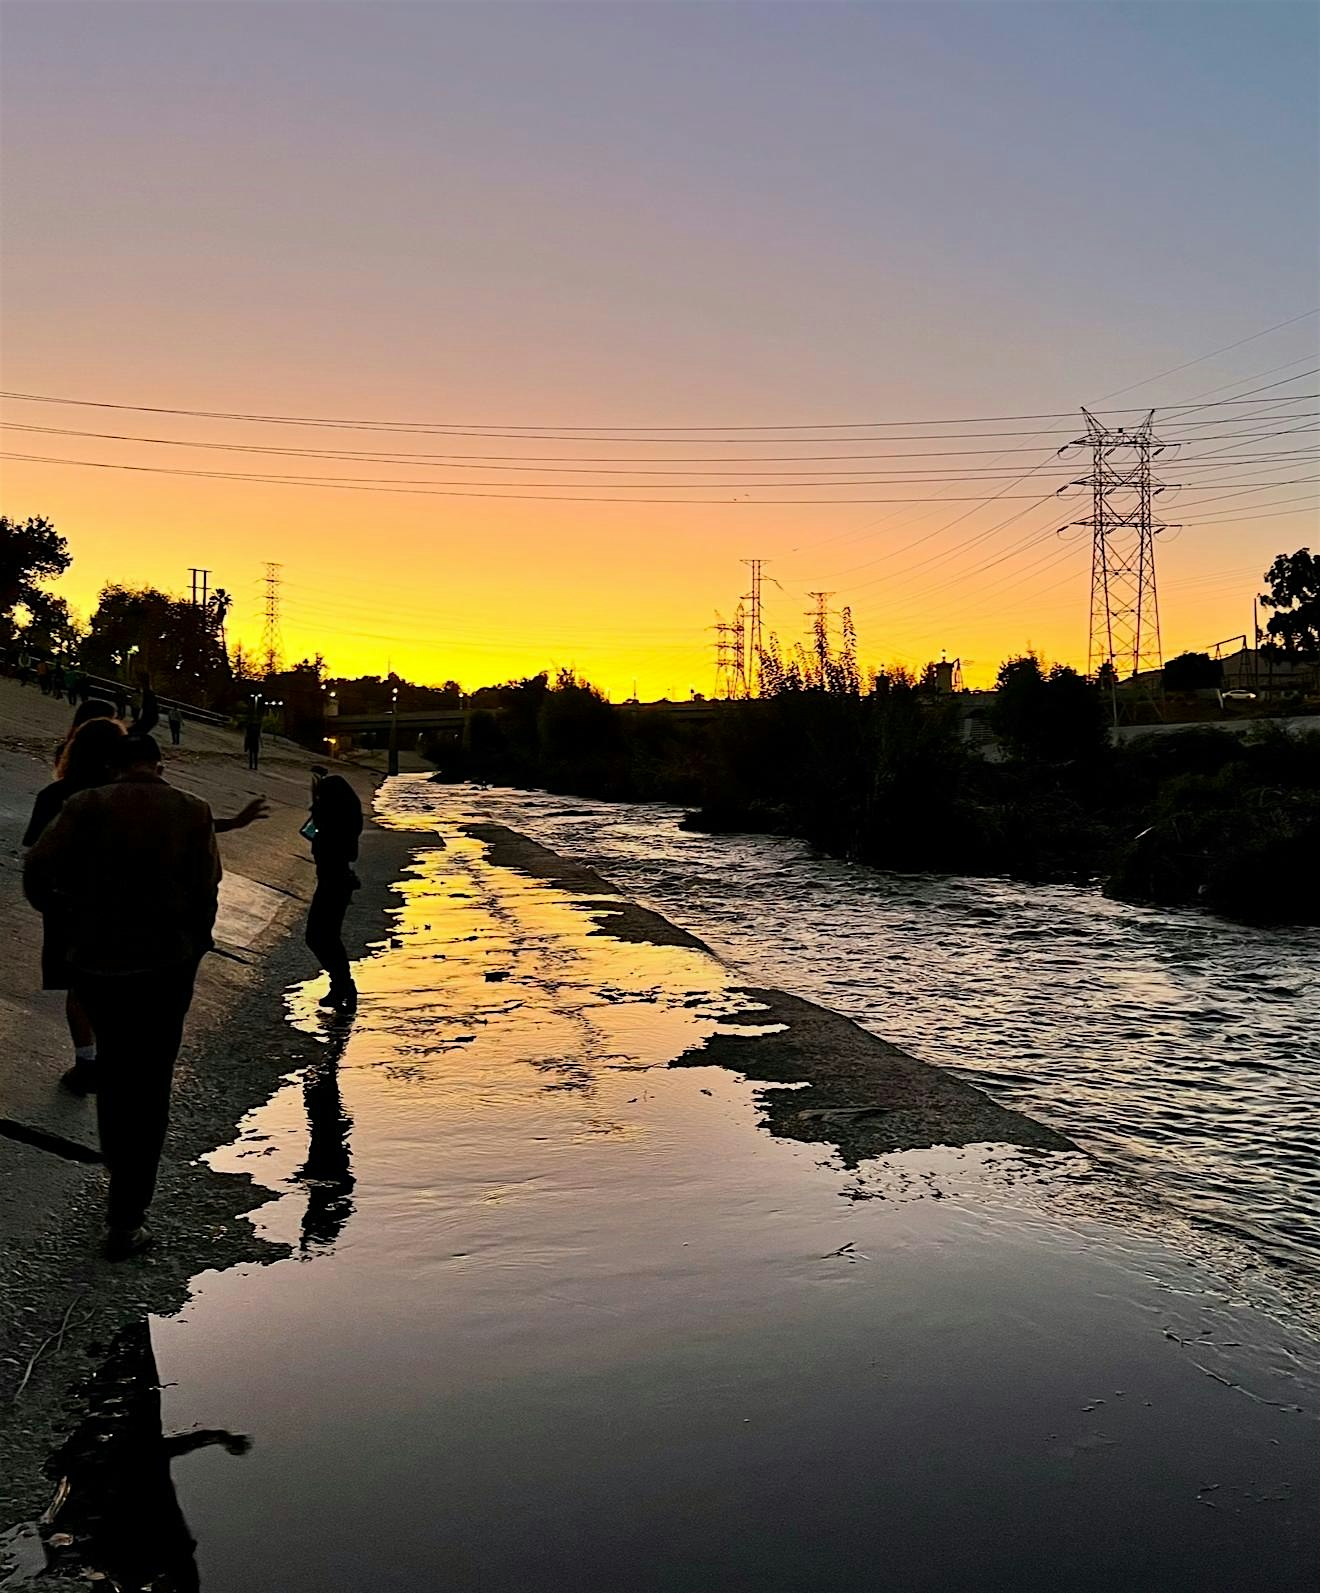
<point x="566" y="433"/>
<point x="567" y="463"/>
<point x="338" y="484"/>
<point x="713" y="477"/>
<point x="1227" y="349"/>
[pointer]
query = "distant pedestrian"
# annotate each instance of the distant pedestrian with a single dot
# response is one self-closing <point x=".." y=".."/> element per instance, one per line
<point x="137" y="864"/>
<point x="121" y="703"/>
<point x="252" y="741"/>
<point x="148" y="712"/>
<point x="90" y="757"/>
<point x="176" y="725"/>
<point x="335" y="830"/>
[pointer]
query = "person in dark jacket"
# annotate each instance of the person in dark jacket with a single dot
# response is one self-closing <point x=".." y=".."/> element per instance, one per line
<point x="335" y="828"/>
<point x="90" y="757"/>
<point x="137" y="865"/>
<point x="148" y="713"/>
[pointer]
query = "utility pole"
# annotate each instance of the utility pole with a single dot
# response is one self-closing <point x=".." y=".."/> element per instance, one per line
<point x="820" y="630"/>
<point x="1125" y="610"/>
<point x="394" y="731"/>
<point x="754" y="636"/>
<point x="271" y="641"/>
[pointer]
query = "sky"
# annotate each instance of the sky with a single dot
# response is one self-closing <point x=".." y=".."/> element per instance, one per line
<point x="650" y="233"/>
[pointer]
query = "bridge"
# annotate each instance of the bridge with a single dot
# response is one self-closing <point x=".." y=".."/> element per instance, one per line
<point x="455" y="720"/>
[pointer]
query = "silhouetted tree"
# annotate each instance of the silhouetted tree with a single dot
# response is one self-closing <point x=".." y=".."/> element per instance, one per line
<point x="176" y="642"/>
<point x="31" y="551"/>
<point x="1294" y="595"/>
<point x="1047" y="716"/>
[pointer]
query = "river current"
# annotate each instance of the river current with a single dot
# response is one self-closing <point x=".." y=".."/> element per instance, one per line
<point x="1180" y="1050"/>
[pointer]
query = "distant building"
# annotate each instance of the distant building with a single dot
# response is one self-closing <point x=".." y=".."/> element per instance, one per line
<point x="1270" y="675"/>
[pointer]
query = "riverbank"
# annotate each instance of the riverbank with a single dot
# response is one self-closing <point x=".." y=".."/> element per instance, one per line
<point x="62" y="1302"/>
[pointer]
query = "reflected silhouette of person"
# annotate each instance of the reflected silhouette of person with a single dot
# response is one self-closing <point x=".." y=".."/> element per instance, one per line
<point x="122" y="1509"/>
<point x="328" y="1171"/>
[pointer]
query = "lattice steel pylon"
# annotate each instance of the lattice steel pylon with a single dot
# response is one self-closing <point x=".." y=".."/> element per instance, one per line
<point x="754" y="642"/>
<point x="1125" y="609"/>
<point x="820" y="631"/>
<point x="272" y="643"/>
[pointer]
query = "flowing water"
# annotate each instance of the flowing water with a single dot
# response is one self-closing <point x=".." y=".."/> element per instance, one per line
<point x="1179" y="1049"/>
<point x="555" y="1315"/>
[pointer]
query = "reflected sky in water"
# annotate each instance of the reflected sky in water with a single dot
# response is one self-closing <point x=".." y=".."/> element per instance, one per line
<point x="1181" y="1049"/>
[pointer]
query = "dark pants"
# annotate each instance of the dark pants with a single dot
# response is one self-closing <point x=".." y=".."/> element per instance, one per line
<point x="176" y="731"/>
<point x="138" y="1023"/>
<point x="325" y="925"/>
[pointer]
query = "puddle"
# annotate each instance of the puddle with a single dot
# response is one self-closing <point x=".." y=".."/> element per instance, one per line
<point x="558" y="1317"/>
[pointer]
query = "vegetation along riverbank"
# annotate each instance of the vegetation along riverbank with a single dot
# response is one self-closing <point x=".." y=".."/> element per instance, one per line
<point x="885" y="774"/>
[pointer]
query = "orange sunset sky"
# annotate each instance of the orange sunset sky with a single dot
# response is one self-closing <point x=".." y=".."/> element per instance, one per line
<point x="652" y="234"/>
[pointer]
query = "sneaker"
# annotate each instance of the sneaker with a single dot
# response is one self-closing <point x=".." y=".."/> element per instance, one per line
<point x="120" y="1243"/>
<point x="80" y="1079"/>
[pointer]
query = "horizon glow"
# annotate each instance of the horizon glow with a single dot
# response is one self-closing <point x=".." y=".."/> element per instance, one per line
<point x="639" y="216"/>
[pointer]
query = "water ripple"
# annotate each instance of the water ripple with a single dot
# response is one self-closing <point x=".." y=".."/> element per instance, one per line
<point x="1180" y="1049"/>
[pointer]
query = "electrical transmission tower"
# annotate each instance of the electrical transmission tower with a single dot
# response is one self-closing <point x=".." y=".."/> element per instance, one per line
<point x="272" y="643"/>
<point x="1125" y="610"/>
<point x="820" y="631"/>
<point x="200" y="580"/>
<point x="727" y="665"/>
<point x="730" y="655"/>
<point x="754" y="638"/>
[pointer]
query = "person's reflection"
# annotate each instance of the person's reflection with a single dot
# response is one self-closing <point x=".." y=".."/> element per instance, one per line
<point x="121" y="1508"/>
<point x="327" y="1173"/>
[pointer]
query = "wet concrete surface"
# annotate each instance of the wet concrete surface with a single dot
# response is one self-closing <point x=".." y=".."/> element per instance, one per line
<point x="556" y="1314"/>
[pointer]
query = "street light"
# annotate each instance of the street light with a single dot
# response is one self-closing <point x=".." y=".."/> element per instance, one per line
<point x="394" y="731"/>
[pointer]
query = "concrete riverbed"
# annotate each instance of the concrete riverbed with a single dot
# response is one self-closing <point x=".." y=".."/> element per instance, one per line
<point x="525" y="1304"/>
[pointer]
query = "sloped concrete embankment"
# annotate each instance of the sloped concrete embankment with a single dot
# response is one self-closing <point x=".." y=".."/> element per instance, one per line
<point x="60" y="1299"/>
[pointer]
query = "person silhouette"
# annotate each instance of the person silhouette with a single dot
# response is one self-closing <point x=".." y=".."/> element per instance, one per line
<point x="327" y="1174"/>
<point x="121" y="1508"/>
<point x="135" y="867"/>
<point x="334" y="828"/>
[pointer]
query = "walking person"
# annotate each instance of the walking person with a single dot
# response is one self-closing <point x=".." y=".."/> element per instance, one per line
<point x="137" y="865"/>
<point x="90" y="757"/>
<point x="148" y="712"/>
<point x="335" y="829"/>
<point x="252" y="741"/>
<point x="176" y="725"/>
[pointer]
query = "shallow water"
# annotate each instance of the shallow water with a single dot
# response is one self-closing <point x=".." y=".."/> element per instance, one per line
<point x="558" y="1316"/>
<point x="1180" y="1049"/>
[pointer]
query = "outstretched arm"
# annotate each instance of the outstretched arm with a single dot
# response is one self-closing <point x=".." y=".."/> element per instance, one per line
<point x="256" y="809"/>
<point x="185" y="1443"/>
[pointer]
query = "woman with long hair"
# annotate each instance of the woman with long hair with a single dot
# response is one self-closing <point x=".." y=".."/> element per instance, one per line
<point x="334" y="829"/>
<point x="88" y="758"/>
